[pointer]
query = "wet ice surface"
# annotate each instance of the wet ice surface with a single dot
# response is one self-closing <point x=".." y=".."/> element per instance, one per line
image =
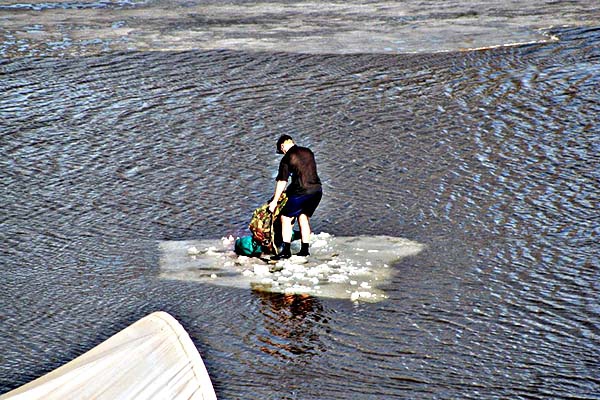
<point x="345" y="267"/>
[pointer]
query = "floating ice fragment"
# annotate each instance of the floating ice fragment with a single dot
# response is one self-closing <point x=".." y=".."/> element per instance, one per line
<point x="261" y="269"/>
<point x="298" y="259"/>
<point x="193" y="251"/>
<point x="295" y="268"/>
<point x="323" y="235"/>
<point x="319" y="243"/>
<point x="227" y="240"/>
<point x="242" y="260"/>
<point x="341" y="263"/>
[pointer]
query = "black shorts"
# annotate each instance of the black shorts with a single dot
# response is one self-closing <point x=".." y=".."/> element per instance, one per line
<point x="303" y="204"/>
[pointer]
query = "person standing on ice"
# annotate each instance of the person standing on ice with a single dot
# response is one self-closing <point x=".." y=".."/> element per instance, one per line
<point x="304" y="193"/>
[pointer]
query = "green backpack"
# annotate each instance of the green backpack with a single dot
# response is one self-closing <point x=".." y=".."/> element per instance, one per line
<point x="246" y="246"/>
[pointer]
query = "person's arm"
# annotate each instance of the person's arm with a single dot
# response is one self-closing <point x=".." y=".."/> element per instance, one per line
<point x="279" y="188"/>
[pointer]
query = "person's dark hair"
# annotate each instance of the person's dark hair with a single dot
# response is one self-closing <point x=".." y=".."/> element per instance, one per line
<point x="282" y="139"/>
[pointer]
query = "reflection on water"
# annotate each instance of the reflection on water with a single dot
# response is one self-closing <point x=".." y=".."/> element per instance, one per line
<point x="490" y="158"/>
<point x="293" y="324"/>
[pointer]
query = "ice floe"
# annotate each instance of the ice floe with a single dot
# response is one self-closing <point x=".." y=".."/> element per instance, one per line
<point x="346" y="267"/>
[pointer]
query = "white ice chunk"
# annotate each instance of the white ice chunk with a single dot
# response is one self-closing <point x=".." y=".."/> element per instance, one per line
<point x="295" y="268"/>
<point x="319" y="243"/>
<point x="298" y="259"/>
<point x="193" y="251"/>
<point x="260" y="269"/>
<point x="299" y="276"/>
<point x="242" y="260"/>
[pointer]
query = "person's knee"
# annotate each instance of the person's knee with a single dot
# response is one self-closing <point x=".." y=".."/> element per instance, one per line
<point x="304" y="223"/>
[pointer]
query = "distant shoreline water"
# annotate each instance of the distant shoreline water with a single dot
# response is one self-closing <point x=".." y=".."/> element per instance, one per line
<point x="57" y="28"/>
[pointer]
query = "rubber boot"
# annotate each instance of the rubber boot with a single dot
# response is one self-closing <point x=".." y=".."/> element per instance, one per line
<point x="303" y="251"/>
<point x="285" y="252"/>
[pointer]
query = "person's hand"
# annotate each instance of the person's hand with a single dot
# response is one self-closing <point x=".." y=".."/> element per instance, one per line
<point x="272" y="206"/>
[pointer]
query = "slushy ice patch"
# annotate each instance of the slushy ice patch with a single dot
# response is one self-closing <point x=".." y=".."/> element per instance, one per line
<point x="345" y="267"/>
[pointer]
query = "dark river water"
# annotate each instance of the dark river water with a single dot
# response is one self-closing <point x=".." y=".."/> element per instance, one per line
<point x="490" y="158"/>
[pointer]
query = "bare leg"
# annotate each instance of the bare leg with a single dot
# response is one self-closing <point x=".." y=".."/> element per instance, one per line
<point x="304" y="223"/>
<point x="286" y="228"/>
